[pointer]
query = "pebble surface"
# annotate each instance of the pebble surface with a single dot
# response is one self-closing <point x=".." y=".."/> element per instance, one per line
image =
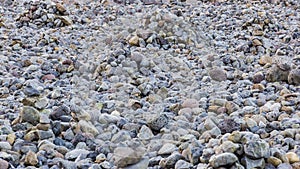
<point x="140" y="84"/>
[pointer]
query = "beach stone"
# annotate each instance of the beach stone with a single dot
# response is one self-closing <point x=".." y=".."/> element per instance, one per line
<point x="249" y="163"/>
<point x="31" y="158"/>
<point x="181" y="164"/>
<point x="218" y="74"/>
<point x="167" y="148"/>
<point x="293" y="157"/>
<point x="30" y="115"/>
<point x="124" y="156"/>
<point x="88" y="127"/>
<point x="3" y="164"/>
<point x="134" y="40"/>
<point x="223" y="159"/>
<point x="121" y="136"/>
<point x="265" y="59"/>
<point x="257" y="149"/>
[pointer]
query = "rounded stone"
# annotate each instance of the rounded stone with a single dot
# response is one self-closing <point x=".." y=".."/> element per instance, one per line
<point x="223" y="159"/>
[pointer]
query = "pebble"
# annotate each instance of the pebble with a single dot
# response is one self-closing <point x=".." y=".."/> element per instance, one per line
<point x="30" y="115"/>
<point x="167" y="148"/>
<point x="31" y="158"/>
<point x="4" y="164"/>
<point x="218" y="74"/>
<point x="292" y="157"/>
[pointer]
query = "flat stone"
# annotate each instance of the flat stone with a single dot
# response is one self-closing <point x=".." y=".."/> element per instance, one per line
<point x="181" y="164"/>
<point x="223" y="159"/>
<point x="5" y="145"/>
<point x="274" y="161"/>
<point x="41" y="103"/>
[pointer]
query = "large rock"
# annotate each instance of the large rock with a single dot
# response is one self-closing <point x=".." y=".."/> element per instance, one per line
<point x="257" y="149"/>
<point x="125" y="156"/>
<point x="223" y="159"/>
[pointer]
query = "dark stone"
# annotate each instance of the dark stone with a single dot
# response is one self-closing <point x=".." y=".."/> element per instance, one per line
<point x="59" y="112"/>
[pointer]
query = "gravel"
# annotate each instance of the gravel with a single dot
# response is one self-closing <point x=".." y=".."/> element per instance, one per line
<point x="149" y="84"/>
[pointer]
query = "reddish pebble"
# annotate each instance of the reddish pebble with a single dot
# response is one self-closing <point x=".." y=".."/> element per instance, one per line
<point x="48" y="77"/>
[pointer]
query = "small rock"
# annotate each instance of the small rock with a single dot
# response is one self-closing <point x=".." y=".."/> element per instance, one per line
<point x="59" y="112"/>
<point x="158" y="121"/>
<point x="190" y="103"/>
<point x="71" y="155"/>
<point x="258" y="77"/>
<point x="249" y="163"/>
<point x="134" y="41"/>
<point x="124" y="156"/>
<point x="294" y="77"/>
<point x="87" y="127"/>
<point x="223" y="159"/>
<point x="3" y="164"/>
<point x="5" y="146"/>
<point x="284" y="166"/>
<point x="218" y="74"/>
<point x="121" y="136"/>
<point x="257" y="149"/>
<point x="293" y="157"/>
<point x="48" y="77"/>
<point x="143" y="164"/>
<point x="41" y="103"/>
<point x="274" y="161"/>
<point x="145" y="133"/>
<point x="30" y="115"/>
<point x="170" y="161"/>
<point x="181" y="164"/>
<point x="167" y="148"/>
<point x="265" y="59"/>
<point x="31" y="158"/>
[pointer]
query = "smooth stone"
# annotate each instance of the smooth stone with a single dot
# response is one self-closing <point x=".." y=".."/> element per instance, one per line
<point x="274" y="161"/>
<point x="30" y="115"/>
<point x="167" y="148"/>
<point x="293" y="157"/>
<point x="88" y="127"/>
<point x="258" y="77"/>
<point x="223" y="159"/>
<point x="124" y="156"/>
<point x="73" y="154"/>
<point x="100" y="158"/>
